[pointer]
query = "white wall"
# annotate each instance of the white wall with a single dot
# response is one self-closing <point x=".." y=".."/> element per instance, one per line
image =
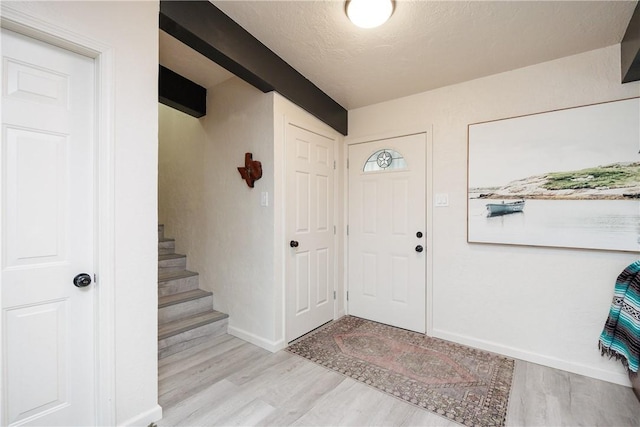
<point x="131" y="30"/>
<point x="181" y="163"/>
<point x="214" y="216"/>
<point x="236" y="245"/>
<point x="539" y="304"/>
<point x="239" y="232"/>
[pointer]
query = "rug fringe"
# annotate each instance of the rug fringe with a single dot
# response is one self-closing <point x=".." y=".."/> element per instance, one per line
<point x="613" y="354"/>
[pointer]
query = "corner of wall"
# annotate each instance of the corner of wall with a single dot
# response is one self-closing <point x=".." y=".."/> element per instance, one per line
<point x="270" y="345"/>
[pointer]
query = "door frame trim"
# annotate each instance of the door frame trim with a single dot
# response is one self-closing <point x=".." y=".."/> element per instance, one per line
<point x="104" y="185"/>
<point x="428" y="132"/>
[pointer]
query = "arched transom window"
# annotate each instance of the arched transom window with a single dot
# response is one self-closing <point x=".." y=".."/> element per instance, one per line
<point x="385" y="159"/>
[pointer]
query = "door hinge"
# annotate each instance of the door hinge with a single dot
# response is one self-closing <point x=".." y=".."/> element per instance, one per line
<point x="334" y="165"/>
<point x="347" y="295"/>
<point x="347" y="229"/>
<point x="334" y="294"/>
<point x="347" y="163"/>
<point x="334" y="230"/>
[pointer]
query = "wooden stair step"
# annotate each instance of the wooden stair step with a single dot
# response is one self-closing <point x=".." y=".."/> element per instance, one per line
<point x="174" y="282"/>
<point x="168" y="257"/>
<point x="166" y="246"/>
<point x="185" y="312"/>
<point x="169" y="300"/>
<point x="167" y="276"/>
<point x="180" y="305"/>
<point x="178" y="326"/>
<point x="172" y="262"/>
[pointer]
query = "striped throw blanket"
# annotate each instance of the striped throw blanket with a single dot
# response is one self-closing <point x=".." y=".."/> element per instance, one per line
<point x="621" y="335"/>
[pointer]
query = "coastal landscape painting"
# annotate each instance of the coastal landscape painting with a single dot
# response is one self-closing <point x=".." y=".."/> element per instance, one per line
<point x="567" y="178"/>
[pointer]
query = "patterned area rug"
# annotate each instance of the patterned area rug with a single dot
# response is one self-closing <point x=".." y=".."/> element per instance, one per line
<point x="465" y="385"/>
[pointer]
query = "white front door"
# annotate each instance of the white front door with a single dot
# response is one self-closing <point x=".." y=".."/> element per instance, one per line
<point x="387" y="238"/>
<point x="309" y="230"/>
<point x="47" y="174"/>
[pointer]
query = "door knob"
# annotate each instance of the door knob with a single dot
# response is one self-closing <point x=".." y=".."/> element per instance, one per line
<point x="419" y="248"/>
<point x="293" y="244"/>
<point x="82" y="280"/>
<point x="419" y="234"/>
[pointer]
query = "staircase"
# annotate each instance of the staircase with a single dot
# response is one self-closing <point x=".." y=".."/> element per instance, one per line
<point x="185" y="312"/>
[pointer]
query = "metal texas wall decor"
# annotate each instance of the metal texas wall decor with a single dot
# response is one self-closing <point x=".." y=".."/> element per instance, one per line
<point x="251" y="171"/>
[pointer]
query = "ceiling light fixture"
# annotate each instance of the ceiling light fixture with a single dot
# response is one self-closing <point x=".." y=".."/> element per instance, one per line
<point x="369" y="13"/>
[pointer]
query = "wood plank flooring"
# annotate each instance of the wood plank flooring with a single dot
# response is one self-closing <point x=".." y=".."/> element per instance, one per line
<point x="228" y="382"/>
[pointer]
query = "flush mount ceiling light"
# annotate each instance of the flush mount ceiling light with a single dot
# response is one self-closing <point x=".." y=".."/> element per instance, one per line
<point x="369" y="13"/>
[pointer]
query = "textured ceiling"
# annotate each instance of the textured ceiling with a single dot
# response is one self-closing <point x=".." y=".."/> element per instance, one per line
<point x="425" y="44"/>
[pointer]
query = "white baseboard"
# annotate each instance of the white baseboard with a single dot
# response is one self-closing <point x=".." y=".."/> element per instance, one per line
<point x="552" y="362"/>
<point x="269" y="345"/>
<point x="144" y="418"/>
<point x="340" y="314"/>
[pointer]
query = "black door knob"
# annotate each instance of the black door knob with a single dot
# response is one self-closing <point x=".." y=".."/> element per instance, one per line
<point x="419" y="248"/>
<point x="293" y="244"/>
<point x="82" y="280"/>
<point x="419" y="234"/>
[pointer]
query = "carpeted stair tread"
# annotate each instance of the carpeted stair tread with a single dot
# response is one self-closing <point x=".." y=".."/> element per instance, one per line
<point x="166" y="276"/>
<point x="170" y="256"/>
<point x="177" y="327"/>
<point x="166" y="239"/>
<point x="178" y="298"/>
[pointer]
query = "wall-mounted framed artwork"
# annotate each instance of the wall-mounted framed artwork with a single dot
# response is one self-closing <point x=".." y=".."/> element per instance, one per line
<point x="567" y="178"/>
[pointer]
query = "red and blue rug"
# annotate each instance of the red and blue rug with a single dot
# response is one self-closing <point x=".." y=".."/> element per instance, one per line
<point x="463" y="384"/>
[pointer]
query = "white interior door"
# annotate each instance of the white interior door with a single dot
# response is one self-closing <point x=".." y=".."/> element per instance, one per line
<point x="387" y="239"/>
<point x="47" y="172"/>
<point x="309" y="230"/>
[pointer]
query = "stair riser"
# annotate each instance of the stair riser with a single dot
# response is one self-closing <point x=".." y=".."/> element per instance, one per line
<point x="178" y="285"/>
<point x="184" y="309"/>
<point x="166" y="269"/>
<point x="174" y="264"/>
<point x="166" y="247"/>
<point x="191" y="338"/>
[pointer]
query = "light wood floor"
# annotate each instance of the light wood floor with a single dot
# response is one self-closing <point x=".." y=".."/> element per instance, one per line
<point x="230" y="382"/>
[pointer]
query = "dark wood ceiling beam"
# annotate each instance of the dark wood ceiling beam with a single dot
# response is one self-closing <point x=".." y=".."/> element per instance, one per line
<point x="181" y="93"/>
<point x="206" y="29"/>
<point x="630" y="49"/>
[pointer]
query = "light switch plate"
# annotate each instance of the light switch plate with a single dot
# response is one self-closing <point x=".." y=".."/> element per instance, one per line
<point x="442" y="199"/>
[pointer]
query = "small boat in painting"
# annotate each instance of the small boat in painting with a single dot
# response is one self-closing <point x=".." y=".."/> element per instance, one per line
<point x="495" y="209"/>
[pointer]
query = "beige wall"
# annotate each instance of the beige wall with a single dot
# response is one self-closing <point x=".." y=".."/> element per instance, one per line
<point x="130" y="30"/>
<point x="237" y="245"/>
<point x="539" y="304"/>
<point x="214" y="216"/>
